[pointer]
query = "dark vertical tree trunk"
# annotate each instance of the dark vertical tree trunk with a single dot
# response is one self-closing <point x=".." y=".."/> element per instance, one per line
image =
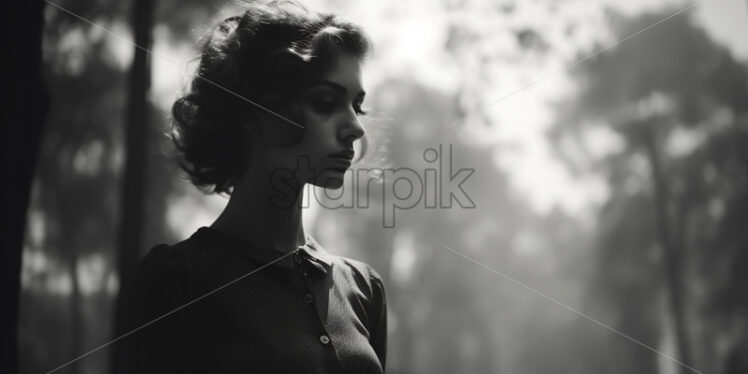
<point x="134" y="179"/>
<point x="23" y="115"/>
<point x="672" y="255"/>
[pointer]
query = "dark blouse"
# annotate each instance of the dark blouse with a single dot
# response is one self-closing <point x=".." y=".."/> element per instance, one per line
<point x="311" y="312"/>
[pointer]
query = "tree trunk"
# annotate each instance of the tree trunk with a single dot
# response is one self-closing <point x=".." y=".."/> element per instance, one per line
<point x="134" y="179"/>
<point x="23" y="116"/>
<point x="671" y="253"/>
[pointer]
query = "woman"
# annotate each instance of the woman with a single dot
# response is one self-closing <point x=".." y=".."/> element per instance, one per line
<point x="275" y="105"/>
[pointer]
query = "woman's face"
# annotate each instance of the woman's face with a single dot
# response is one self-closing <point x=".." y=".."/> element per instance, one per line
<point x="330" y="108"/>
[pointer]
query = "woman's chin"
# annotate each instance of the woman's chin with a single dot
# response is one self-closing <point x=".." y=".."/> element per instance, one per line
<point x="331" y="178"/>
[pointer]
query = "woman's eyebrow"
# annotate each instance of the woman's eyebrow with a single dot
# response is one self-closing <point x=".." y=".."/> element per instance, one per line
<point x="335" y="86"/>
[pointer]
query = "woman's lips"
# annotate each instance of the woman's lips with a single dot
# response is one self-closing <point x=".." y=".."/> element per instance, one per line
<point x="341" y="163"/>
<point x="346" y="153"/>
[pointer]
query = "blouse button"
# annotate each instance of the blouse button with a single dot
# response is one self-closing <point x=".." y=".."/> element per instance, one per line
<point x="324" y="339"/>
<point x="297" y="258"/>
<point x="308" y="298"/>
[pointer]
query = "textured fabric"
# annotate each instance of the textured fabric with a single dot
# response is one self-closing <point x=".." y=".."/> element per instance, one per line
<point x="311" y="312"/>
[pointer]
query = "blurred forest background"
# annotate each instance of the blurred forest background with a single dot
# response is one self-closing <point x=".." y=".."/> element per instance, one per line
<point x="618" y="186"/>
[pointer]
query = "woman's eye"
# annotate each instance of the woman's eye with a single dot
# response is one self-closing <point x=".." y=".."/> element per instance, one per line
<point x="360" y="111"/>
<point x="329" y="106"/>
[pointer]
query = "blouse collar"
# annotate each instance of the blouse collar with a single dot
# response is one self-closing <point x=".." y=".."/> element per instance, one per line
<point x="311" y="252"/>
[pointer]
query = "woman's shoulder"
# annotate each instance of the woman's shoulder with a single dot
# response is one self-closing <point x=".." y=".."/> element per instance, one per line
<point x="164" y="280"/>
<point x="365" y="275"/>
<point x="169" y="273"/>
<point x="179" y="258"/>
<point x="359" y="270"/>
<point x="359" y="267"/>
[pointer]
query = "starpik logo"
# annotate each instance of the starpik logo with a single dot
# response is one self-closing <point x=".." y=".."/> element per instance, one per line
<point x="436" y="186"/>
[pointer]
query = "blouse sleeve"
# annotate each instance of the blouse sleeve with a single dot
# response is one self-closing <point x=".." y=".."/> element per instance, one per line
<point x="379" y="336"/>
<point x="163" y="340"/>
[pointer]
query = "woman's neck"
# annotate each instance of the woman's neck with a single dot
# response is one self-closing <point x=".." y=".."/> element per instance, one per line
<point x="264" y="213"/>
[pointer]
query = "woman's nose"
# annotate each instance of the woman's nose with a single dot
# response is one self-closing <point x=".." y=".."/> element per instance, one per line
<point x="352" y="129"/>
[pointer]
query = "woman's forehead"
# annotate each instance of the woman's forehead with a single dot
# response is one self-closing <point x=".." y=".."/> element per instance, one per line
<point x="346" y="73"/>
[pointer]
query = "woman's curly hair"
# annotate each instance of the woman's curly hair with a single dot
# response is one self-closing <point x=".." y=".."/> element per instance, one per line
<point x="271" y="50"/>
